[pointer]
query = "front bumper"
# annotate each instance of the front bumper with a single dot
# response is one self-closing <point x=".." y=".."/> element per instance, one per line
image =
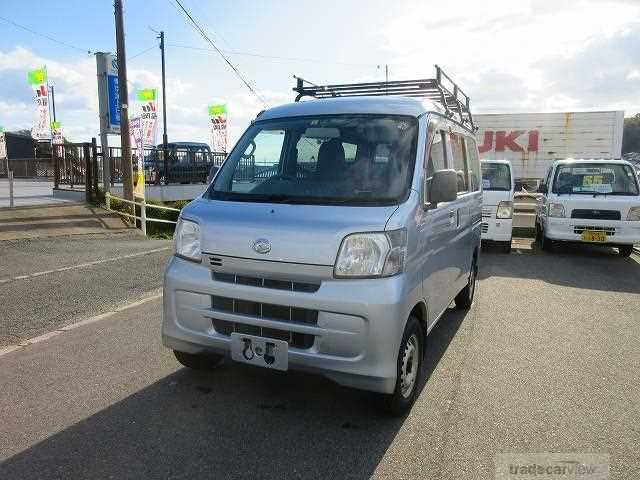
<point x="570" y="229"/>
<point x="355" y="339"/>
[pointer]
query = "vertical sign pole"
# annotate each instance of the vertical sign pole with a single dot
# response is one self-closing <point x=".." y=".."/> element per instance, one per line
<point x="164" y="115"/>
<point x="101" y="64"/>
<point x="125" y="139"/>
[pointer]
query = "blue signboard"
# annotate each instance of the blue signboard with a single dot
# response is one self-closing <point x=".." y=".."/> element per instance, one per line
<point x="112" y="95"/>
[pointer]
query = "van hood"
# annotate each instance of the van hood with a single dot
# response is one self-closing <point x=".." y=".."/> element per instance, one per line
<point x="308" y="234"/>
<point x="622" y="203"/>
<point x="491" y="198"/>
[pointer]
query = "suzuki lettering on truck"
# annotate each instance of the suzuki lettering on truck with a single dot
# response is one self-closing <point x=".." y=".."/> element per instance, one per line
<point x="593" y="201"/>
<point x="497" y="202"/>
<point x="332" y="239"/>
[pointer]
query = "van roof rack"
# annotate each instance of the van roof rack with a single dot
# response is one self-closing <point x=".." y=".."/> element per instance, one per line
<point x="454" y="101"/>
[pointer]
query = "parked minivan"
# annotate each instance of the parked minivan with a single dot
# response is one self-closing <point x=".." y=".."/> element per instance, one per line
<point x="335" y="235"/>
<point x="497" y="202"/>
<point x="590" y="201"/>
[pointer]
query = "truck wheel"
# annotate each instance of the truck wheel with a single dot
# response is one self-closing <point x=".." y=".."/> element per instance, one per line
<point x="199" y="361"/>
<point x="546" y="243"/>
<point x="506" y="247"/>
<point x="625" y="250"/>
<point x="408" y="371"/>
<point x="464" y="299"/>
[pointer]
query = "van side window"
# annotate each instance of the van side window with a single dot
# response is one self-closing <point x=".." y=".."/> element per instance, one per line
<point x="435" y="159"/>
<point x="458" y="161"/>
<point x="473" y="163"/>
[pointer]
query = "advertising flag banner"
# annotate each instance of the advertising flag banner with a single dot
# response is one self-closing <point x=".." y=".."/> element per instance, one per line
<point x="56" y="132"/>
<point x="57" y="138"/>
<point x="149" y="115"/>
<point x="135" y="129"/>
<point x="41" y="126"/>
<point x="218" y="127"/>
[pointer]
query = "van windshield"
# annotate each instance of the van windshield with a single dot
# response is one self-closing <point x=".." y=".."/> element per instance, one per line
<point x="595" y="178"/>
<point x="496" y="176"/>
<point x="340" y="159"/>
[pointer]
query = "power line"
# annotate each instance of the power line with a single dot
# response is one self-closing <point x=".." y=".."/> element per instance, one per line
<point x="142" y="52"/>
<point x="198" y="28"/>
<point x="48" y="37"/>
<point x="206" y="19"/>
<point x="275" y="57"/>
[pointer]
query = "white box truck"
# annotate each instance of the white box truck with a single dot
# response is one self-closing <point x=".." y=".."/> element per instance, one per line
<point x="533" y="141"/>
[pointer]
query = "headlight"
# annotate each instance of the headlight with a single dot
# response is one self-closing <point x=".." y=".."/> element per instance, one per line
<point x="555" y="210"/>
<point x="634" y="214"/>
<point x="372" y="254"/>
<point x="187" y="240"/>
<point x="505" y="210"/>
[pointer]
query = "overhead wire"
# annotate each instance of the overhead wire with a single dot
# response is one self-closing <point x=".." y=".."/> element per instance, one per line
<point x="48" y="37"/>
<point x="204" y="35"/>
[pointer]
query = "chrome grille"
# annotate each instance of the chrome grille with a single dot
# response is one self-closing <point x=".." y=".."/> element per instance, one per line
<point x="609" y="231"/>
<point x="485" y="227"/>
<point x="486" y="212"/>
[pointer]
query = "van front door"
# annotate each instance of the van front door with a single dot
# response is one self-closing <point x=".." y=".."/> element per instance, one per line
<point x="437" y="235"/>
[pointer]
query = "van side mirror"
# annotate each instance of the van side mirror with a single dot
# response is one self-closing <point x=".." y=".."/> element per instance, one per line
<point x="443" y="187"/>
<point x="542" y="188"/>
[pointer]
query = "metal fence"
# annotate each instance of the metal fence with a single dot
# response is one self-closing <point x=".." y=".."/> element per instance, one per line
<point x="182" y="165"/>
<point x="142" y="206"/>
<point x="28" y="167"/>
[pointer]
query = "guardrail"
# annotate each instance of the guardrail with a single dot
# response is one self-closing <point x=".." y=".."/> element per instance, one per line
<point x="143" y="210"/>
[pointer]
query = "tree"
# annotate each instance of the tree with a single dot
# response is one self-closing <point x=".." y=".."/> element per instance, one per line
<point x="631" y="135"/>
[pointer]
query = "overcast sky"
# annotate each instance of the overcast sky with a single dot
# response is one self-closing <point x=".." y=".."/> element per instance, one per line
<point x="509" y="56"/>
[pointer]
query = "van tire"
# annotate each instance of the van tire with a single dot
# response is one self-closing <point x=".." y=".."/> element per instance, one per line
<point x="464" y="299"/>
<point x="625" y="250"/>
<point x="199" y="361"/>
<point x="506" y="247"/>
<point x="410" y="356"/>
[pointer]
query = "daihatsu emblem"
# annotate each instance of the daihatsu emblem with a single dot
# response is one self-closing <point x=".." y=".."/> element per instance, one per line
<point x="261" y="245"/>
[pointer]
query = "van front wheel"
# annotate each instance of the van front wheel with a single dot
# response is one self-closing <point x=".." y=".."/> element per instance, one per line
<point x="464" y="299"/>
<point x="408" y="371"/>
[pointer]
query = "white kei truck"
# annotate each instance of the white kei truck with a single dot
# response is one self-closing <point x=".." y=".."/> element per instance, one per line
<point x="497" y="202"/>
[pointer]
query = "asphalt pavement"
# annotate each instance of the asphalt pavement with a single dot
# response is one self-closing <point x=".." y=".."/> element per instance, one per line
<point x="546" y="360"/>
<point x="47" y="283"/>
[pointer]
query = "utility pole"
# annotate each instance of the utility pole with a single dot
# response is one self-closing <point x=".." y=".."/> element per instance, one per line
<point x="53" y="102"/>
<point x="164" y="115"/>
<point x="123" y="94"/>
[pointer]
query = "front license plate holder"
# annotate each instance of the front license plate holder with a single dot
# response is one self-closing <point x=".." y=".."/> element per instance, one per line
<point x="593" y="236"/>
<point x="260" y="351"/>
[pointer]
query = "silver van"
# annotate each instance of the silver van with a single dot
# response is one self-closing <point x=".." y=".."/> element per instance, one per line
<point x="333" y="238"/>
